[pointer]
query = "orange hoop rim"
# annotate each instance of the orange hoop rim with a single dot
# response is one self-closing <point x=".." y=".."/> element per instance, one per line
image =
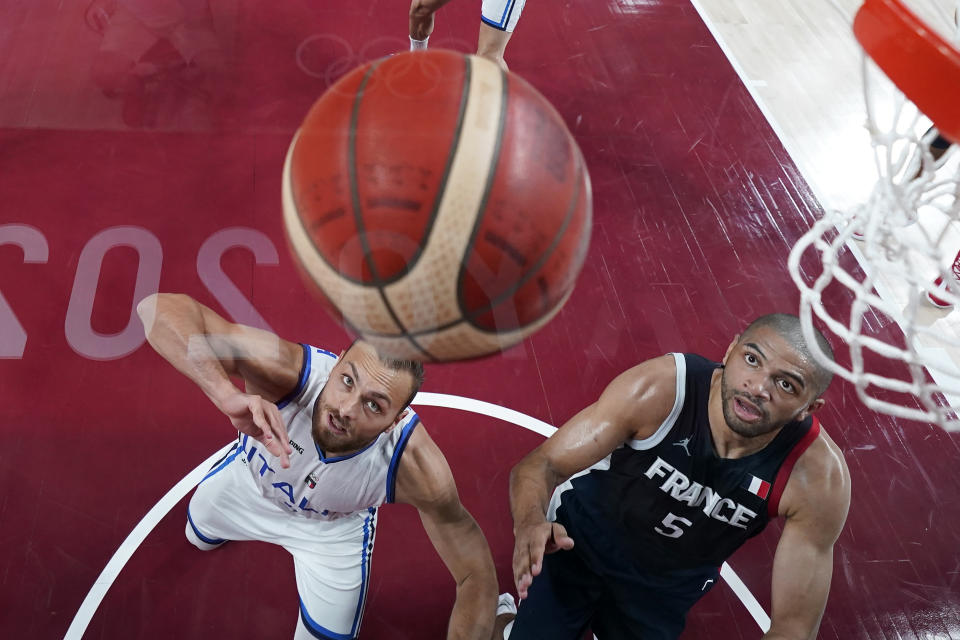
<point x="919" y="61"/>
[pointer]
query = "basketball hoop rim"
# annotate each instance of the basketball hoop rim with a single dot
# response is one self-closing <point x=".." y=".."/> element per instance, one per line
<point x="919" y="61"/>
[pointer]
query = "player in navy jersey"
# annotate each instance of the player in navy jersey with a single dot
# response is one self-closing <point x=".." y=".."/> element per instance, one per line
<point x="623" y="517"/>
<point x="323" y="441"/>
<point x="498" y="19"/>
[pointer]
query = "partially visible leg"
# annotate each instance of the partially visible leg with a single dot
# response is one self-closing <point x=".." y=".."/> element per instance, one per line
<point x="227" y="506"/>
<point x="497" y="22"/>
<point x="199" y="540"/>
<point x="559" y="603"/>
<point x="491" y="44"/>
<point x="938" y="146"/>
<point x="332" y="561"/>
<point x="650" y="606"/>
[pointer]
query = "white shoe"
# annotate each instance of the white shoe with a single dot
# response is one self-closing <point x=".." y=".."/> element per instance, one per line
<point x="506" y="604"/>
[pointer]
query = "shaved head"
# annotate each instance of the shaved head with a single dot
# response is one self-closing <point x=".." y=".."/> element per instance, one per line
<point x="789" y="328"/>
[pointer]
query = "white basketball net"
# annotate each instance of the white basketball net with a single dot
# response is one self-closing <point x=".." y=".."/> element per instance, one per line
<point x="904" y="237"/>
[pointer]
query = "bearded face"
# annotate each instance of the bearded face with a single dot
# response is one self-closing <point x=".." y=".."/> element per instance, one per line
<point x="765" y="384"/>
<point x="361" y="399"/>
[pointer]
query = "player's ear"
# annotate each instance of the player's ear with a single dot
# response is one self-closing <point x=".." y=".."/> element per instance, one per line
<point x="400" y="416"/>
<point x="813" y="406"/>
<point x="726" y="355"/>
<point x="396" y="421"/>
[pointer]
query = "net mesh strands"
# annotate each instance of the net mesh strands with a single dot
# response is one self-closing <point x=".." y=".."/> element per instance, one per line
<point x="905" y="235"/>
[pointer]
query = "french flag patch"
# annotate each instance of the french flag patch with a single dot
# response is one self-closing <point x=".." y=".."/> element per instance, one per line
<point x="756" y="486"/>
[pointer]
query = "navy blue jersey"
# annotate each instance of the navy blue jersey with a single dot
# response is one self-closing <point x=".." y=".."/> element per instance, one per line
<point x="669" y="501"/>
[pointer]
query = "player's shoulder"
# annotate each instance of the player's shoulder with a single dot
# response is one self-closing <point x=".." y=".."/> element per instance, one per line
<point x="423" y="476"/>
<point x="317" y="364"/>
<point x="651" y="383"/>
<point x="308" y="369"/>
<point x="316" y="359"/>
<point x="317" y="354"/>
<point x="655" y="371"/>
<point x="823" y="461"/>
<point x="420" y="450"/>
<point x="819" y="484"/>
<point x="640" y="398"/>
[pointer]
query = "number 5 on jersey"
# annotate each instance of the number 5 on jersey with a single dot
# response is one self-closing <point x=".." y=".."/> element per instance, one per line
<point x="673" y="530"/>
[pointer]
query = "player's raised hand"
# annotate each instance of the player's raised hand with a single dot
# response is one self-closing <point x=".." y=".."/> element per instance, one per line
<point x="261" y="420"/>
<point x="533" y="541"/>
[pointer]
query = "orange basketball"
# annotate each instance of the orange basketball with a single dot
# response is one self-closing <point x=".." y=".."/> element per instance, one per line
<point x="439" y="204"/>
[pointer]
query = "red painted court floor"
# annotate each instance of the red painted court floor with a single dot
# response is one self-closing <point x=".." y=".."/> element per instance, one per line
<point x="118" y="180"/>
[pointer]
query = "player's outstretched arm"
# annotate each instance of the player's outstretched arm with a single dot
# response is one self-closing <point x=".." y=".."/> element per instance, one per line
<point x="209" y="350"/>
<point x="424" y="480"/>
<point x="815" y="504"/>
<point x="631" y="407"/>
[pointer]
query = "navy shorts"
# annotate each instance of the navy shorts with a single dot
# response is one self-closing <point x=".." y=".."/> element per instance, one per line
<point x="569" y="597"/>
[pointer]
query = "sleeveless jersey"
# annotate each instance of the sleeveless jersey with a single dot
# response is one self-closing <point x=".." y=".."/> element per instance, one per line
<point x="669" y="501"/>
<point x="317" y="486"/>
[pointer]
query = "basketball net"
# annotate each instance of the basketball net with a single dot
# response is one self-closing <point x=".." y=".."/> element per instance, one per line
<point x="906" y="236"/>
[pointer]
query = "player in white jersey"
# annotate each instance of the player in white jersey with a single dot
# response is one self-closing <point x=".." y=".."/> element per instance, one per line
<point x="498" y="18"/>
<point x="323" y="442"/>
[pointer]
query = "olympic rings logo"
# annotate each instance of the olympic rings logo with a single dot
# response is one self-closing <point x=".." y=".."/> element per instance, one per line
<point x="327" y="56"/>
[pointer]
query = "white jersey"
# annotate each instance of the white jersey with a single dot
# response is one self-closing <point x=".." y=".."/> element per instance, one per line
<point x="317" y="486"/>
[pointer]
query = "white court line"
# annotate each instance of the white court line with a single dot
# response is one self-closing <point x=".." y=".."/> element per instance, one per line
<point x="140" y="532"/>
<point x="746" y="597"/>
<point x="486" y="409"/>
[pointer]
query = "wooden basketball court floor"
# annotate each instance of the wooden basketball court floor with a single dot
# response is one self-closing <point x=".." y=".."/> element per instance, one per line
<point x="115" y="184"/>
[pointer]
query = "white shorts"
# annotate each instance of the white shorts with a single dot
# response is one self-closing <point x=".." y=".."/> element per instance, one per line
<point x="331" y="557"/>
<point x="502" y="14"/>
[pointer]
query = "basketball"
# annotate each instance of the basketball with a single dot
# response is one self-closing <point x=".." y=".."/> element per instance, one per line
<point x="438" y="204"/>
